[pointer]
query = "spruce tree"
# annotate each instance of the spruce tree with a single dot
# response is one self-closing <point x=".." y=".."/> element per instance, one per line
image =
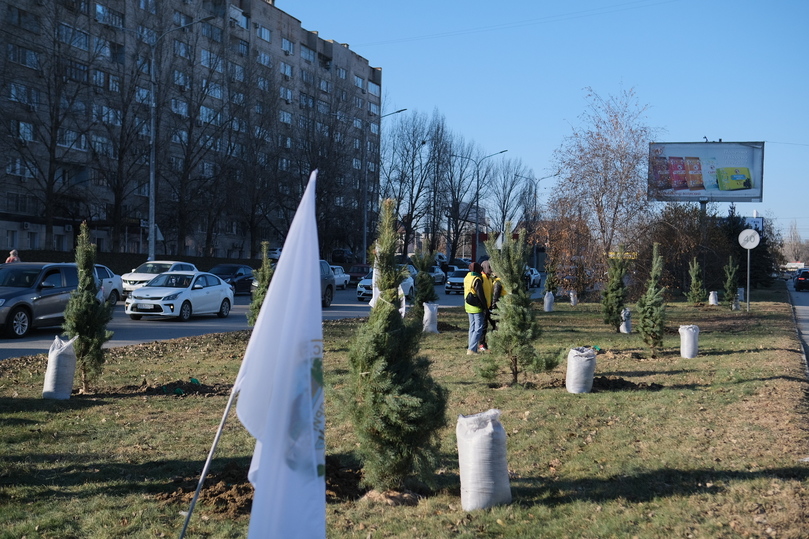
<point x="651" y="307"/>
<point x="517" y="328"/>
<point x="551" y="280"/>
<point x="731" y="282"/>
<point x="425" y="285"/>
<point x="697" y="293"/>
<point x="614" y="300"/>
<point x="85" y="316"/>
<point x="396" y="407"/>
<point x="263" y="277"/>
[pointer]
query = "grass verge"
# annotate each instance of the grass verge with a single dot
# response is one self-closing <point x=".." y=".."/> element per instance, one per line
<point x="667" y="447"/>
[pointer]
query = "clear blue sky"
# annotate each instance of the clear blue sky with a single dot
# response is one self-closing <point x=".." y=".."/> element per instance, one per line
<point x="511" y="74"/>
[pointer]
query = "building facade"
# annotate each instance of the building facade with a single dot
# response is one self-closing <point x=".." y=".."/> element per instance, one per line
<point x="236" y="102"/>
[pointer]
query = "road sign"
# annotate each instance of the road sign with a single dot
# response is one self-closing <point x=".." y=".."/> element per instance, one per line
<point x="749" y="239"/>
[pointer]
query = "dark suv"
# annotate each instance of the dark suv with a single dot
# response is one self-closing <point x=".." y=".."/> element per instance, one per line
<point x="34" y="295"/>
<point x="802" y="280"/>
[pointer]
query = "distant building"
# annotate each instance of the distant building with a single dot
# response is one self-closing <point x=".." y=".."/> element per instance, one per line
<point x="246" y="104"/>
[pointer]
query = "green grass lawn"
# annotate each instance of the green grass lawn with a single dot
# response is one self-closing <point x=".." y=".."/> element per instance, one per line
<point x="665" y="447"/>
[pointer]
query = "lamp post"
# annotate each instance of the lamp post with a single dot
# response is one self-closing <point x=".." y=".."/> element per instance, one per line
<point x="365" y="187"/>
<point x="477" y="163"/>
<point x="153" y="128"/>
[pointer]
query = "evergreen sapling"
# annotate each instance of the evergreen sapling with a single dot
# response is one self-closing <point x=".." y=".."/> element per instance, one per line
<point x="652" y="308"/>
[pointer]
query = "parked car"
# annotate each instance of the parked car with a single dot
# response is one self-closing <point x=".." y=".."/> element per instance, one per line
<point x="341" y="278"/>
<point x="239" y="276"/>
<point x="111" y="284"/>
<point x="34" y="294"/>
<point x="181" y="294"/>
<point x="365" y="288"/>
<point x="357" y="272"/>
<point x="342" y="256"/>
<point x="454" y="284"/>
<point x="326" y="284"/>
<point x="274" y="254"/>
<point x="532" y="277"/>
<point x="438" y="275"/>
<point x="462" y="263"/>
<point x="802" y="280"/>
<point x="148" y="270"/>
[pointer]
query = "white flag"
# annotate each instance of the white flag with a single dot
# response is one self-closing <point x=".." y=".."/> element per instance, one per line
<point x="280" y="386"/>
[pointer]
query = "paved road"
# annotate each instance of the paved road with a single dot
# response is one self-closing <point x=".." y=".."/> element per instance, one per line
<point x="800" y="302"/>
<point x="127" y="331"/>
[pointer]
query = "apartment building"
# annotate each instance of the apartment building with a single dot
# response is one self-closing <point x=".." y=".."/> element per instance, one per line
<point x="221" y="109"/>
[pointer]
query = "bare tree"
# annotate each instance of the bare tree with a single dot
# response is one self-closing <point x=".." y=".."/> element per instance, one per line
<point x="505" y="192"/>
<point x="603" y="168"/>
<point x="795" y="248"/>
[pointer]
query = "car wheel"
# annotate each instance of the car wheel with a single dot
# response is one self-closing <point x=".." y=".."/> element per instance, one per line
<point x="327" y="297"/>
<point x="224" y="309"/>
<point x="185" y="312"/>
<point x="114" y="297"/>
<point x="135" y="316"/>
<point x="18" y="323"/>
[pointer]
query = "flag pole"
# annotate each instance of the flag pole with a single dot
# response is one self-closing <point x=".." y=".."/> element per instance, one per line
<point x="208" y="462"/>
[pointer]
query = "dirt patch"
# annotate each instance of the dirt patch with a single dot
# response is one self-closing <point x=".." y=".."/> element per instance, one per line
<point x="178" y="388"/>
<point x="230" y="494"/>
<point x="605" y="383"/>
<point x="446" y="326"/>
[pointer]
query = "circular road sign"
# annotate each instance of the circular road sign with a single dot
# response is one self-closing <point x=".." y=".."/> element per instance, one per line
<point x="749" y="239"/>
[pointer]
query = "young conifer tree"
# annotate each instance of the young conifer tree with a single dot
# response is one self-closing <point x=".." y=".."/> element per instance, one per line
<point x="697" y="293"/>
<point x="425" y="285"/>
<point x="86" y="316"/>
<point x="396" y="407"/>
<point x="731" y="282"/>
<point x="517" y="328"/>
<point x="652" y="307"/>
<point x="551" y="280"/>
<point x="614" y="300"/>
<point x="263" y="277"/>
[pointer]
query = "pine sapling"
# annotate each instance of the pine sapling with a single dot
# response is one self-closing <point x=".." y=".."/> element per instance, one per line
<point x="697" y="293"/>
<point x="651" y="307"/>
<point x="614" y="299"/>
<point x="263" y="277"/>
<point x="731" y="283"/>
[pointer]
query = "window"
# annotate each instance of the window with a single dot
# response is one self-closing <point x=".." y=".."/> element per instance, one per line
<point x="342" y="73"/>
<point x="237" y="98"/>
<point x="286" y="94"/>
<point x="147" y="35"/>
<point x="264" y="59"/>
<point x="307" y="53"/>
<point x="357" y="164"/>
<point x="306" y="101"/>
<point x="242" y="47"/>
<point x="180" y="78"/>
<point x="211" y="61"/>
<point x="115" y="83"/>
<point x="23" y="19"/>
<point x="99" y="78"/>
<point x="285" y="117"/>
<point x="206" y="169"/>
<point x="214" y="89"/>
<point x="180" y="136"/>
<point x="284" y="141"/>
<point x="178" y="106"/>
<point x="76" y="71"/>
<point x="283" y="164"/>
<point x="142" y="95"/>
<point x="357" y="123"/>
<point x="264" y="34"/>
<point x="373" y="108"/>
<point x="149" y="6"/>
<point x="286" y="70"/>
<point x="375" y="128"/>
<point x="23" y="94"/>
<point x="236" y="72"/>
<point x="102" y="145"/>
<point x="307" y="77"/>
<point x="287" y="46"/>
<point x="322" y="107"/>
<point x="359" y="102"/>
<point x="105" y="15"/>
<point x="325" y="86"/>
<point x="18" y="167"/>
<point x="209" y="115"/>
<point x="239" y="125"/>
<point x="359" y="82"/>
<point x="212" y="32"/>
<point x="107" y="115"/>
<point x="263" y="84"/>
<point x="23" y="56"/>
<point x="181" y="19"/>
<point x="182" y="49"/>
<point x="74" y="37"/>
<point x="23" y="130"/>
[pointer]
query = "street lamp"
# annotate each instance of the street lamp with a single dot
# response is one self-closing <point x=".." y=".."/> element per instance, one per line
<point x="365" y="187"/>
<point x="477" y="197"/>
<point x="153" y="128"/>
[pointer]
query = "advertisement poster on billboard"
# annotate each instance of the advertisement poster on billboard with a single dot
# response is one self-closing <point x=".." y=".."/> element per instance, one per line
<point x="706" y="171"/>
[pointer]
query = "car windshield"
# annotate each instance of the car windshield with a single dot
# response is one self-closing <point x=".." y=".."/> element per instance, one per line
<point x="17" y="277"/>
<point x="152" y="267"/>
<point x="358" y="269"/>
<point x="459" y="273"/>
<point x="224" y="270"/>
<point x="171" y="280"/>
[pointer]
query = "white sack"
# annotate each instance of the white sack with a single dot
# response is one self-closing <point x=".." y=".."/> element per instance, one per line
<point x="689" y="341"/>
<point x="626" y="321"/>
<point x="549" y="302"/>
<point x="581" y="365"/>
<point x="60" y="371"/>
<point x="482" y="460"/>
<point x="713" y="298"/>
<point x="430" y="321"/>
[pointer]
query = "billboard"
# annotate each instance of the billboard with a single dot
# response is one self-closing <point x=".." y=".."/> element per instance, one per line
<point x="706" y="171"/>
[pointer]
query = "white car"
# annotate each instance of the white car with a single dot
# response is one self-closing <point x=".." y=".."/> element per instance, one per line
<point x="438" y="275"/>
<point x="111" y="284"/>
<point x="341" y="278"/>
<point x="365" y="288"/>
<point x="148" y="270"/>
<point x="181" y="294"/>
<point x="454" y="282"/>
